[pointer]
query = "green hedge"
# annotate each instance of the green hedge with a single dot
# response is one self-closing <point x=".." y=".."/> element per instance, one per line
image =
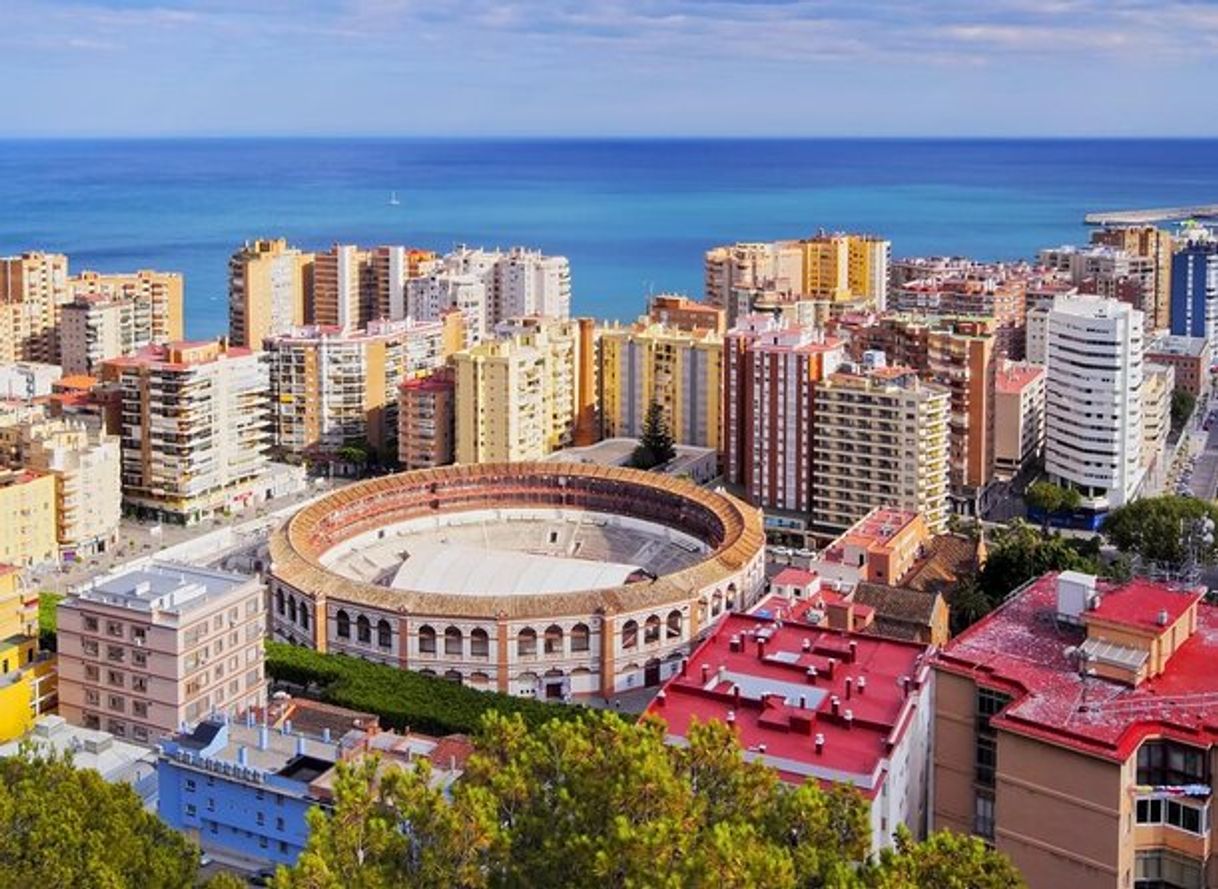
<point x="401" y="698"/>
<point x="48" y="619"/>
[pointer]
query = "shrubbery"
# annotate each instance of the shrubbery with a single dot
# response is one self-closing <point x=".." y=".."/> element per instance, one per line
<point x="401" y="698"/>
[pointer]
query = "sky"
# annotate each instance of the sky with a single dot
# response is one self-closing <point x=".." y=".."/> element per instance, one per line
<point x="609" y="67"/>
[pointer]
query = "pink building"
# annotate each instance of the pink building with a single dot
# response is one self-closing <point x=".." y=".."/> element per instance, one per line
<point x="770" y="373"/>
<point x="158" y="645"/>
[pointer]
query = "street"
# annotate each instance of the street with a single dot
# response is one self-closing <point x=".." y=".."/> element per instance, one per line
<point x="137" y="539"/>
<point x="1205" y="475"/>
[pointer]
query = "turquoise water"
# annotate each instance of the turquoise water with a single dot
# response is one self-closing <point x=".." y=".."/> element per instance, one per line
<point x="632" y="215"/>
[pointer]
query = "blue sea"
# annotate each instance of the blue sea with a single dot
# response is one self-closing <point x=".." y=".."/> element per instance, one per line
<point x="634" y="216"/>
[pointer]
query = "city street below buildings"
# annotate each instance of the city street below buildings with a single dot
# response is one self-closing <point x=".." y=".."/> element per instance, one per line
<point x="138" y="539"/>
<point x="1204" y="481"/>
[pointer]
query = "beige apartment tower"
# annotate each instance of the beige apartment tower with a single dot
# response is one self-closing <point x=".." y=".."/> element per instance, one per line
<point x="195" y="428"/>
<point x="268" y="291"/>
<point x="85" y="464"/>
<point x="157" y="645"/>
<point x="880" y="439"/>
<point x="331" y="389"/>
<point x="33" y="286"/>
<point x="520" y="398"/>
<point x="679" y="370"/>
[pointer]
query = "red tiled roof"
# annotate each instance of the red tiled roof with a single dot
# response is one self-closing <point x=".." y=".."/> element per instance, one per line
<point x="764" y="681"/>
<point x="1021" y="649"/>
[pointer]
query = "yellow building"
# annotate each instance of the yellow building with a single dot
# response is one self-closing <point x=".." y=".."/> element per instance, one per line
<point x="27" y="677"/>
<point x="268" y="284"/>
<point x="33" y="286"/>
<point x="841" y="267"/>
<point x="680" y="370"/>
<point x="155" y="300"/>
<point x="28" y="529"/>
<point x="880" y="439"/>
<point x="521" y="397"/>
<point x="86" y="464"/>
<point x="330" y="389"/>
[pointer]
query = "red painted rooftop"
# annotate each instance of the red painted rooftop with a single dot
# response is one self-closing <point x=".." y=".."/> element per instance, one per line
<point x="878" y="527"/>
<point x="767" y="709"/>
<point x="793" y="577"/>
<point x="1140" y="603"/>
<point x="1019" y="648"/>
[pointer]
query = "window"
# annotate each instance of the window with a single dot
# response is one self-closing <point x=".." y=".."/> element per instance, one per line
<point x="674" y="624"/>
<point x="553" y="639"/>
<point x="139" y="733"/>
<point x="140" y="709"/>
<point x="479" y="643"/>
<point x="92" y="673"/>
<point x="986" y="760"/>
<point x="114" y="628"/>
<point x="651" y="629"/>
<point x="279" y="824"/>
<point x="983" y="814"/>
<point x="89" y="647"/>
<point x="91" y="624"/>
<point x="115" y="653"/>
<point x="1174" y="813"/>
<point x="454" y="641"/>
<point x="363" y="630"/>
<point x="384" y="633"/>
<point x="139" y="658"/>
<point x="191" y="811"/>
<point x="1167" y="762"/>
<point x="344" y="624"/>
<point x="427" y="640"/>
<point x="116" y="703"/>
<point x="526" y="643"/>
<point x="630" y="634"/>
<point x="580" y="637"/>
<point x="114" y="677"/>
<point x="261" y="818"/>
<point x="1162" y="869"/>
<point x="190" y="785"/>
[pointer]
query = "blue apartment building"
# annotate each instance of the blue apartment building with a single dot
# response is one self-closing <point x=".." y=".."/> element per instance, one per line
<point x="243" y="788"/>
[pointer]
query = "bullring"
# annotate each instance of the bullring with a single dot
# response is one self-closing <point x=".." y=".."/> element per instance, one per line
<point x="540" y="579"/>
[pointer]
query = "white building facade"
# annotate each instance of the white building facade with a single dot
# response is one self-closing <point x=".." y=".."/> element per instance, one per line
<point x="1093" y="399"/>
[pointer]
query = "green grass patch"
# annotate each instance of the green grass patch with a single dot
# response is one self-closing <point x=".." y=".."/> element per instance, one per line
<point x="401" y="698"/>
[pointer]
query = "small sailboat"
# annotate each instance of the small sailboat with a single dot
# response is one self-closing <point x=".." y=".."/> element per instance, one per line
<point x="393" y="199"/>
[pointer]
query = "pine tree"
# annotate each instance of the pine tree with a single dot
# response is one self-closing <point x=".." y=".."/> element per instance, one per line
<point x="656" y="445"/>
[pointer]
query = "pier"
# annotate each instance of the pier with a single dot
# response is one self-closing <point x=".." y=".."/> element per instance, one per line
<point x="1157" y="214"/>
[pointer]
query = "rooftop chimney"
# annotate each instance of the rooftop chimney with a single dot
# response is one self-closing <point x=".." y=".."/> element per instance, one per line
<point x="706" y="672"/>
<point x="862" y="685"/>
<point x="264" y="739"/>
<point x="242" y="756"/>
<point x="835" y="705"/>
<point x="1161" y="618"/>
<point x="811" y="674"/>
<point x="820" y="744"/>
<point x="807" y="645"/>
<point x="731" y="717"/>
<point x="849" y="687"/>
<point x="660" y="696"/>
<point x="849" y="717"/>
